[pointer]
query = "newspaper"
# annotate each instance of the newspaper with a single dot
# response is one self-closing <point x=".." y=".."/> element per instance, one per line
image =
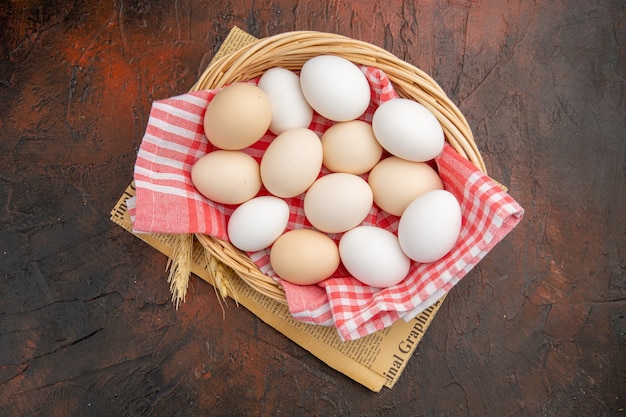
<point x="374" y="361"/>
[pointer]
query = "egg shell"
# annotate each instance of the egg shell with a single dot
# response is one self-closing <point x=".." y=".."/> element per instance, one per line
<point x="291" y="162"/>
<point x="350" y="147"/>
<point x="408" y="130"/>
<point x="373" y="256"/>
<point x="257" y="223"/>
<point x="237" y="117"/>
<point x="304" y="256"/>
<point x="337" y="202"/>
<point x="290" y="109"/>
<point x="430" y="226"/>
<point x="226" y="177"/>
<point x="395" y="182"/>
<point x="335" y="87"/>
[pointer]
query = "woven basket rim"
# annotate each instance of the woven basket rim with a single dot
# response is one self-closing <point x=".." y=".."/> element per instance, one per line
<point x="290" y="50"/>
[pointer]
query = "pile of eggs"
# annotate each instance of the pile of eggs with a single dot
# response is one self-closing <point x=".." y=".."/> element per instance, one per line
<point x="338" y="176"/>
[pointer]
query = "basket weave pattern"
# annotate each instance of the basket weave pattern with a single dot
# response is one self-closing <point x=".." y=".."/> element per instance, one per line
<point x="291" y="50"/>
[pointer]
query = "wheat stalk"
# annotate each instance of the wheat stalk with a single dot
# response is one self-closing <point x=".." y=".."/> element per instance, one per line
<point x="179" y="267"/>
<point x="221" y="284"/>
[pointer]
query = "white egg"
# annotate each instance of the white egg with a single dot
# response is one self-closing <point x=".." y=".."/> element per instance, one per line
<point x="373" y="256"/>
<point x="408" y="130"/>
<point x="430" y="226"/>
<point x="290" y="109"/>
<point x="335" y="87"/>
<point x="257" y="223"/>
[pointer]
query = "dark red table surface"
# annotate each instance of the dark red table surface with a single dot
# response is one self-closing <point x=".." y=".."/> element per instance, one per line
<point x="86" y="323"/>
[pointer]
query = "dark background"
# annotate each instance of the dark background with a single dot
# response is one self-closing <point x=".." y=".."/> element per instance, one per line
<point x="86" y="323"/>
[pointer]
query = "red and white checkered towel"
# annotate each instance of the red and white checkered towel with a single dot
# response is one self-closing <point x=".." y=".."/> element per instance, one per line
<point x="167" y="202"/>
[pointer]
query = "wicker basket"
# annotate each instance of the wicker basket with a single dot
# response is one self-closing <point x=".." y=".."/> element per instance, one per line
<point x="291" y="50"/>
